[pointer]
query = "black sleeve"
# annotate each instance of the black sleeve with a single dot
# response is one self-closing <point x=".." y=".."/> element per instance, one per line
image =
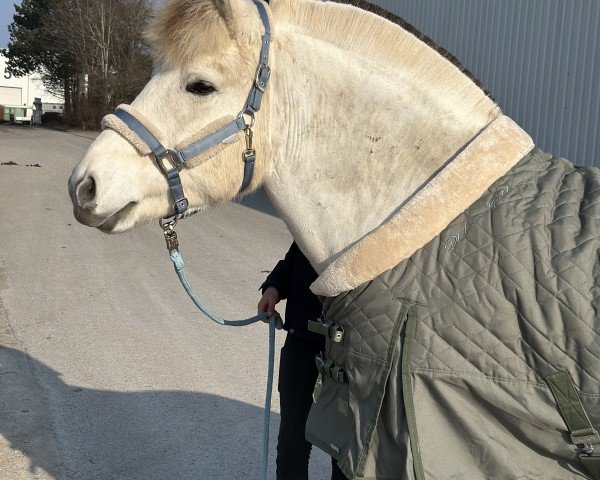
<point x="281" y="276"/>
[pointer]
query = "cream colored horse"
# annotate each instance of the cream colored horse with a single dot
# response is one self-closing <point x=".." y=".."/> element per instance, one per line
<point x="358" y="115"/>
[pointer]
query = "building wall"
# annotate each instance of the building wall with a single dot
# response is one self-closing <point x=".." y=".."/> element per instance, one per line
<point x="539" y="58"/>
<point x="31" y="87"/>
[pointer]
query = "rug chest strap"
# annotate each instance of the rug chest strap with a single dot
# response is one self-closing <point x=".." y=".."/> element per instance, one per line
<point x="582" y="432"/>
<point x="327" y="328"/>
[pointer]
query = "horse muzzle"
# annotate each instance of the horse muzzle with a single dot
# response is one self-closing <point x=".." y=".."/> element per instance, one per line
<point x="83" y="191"/>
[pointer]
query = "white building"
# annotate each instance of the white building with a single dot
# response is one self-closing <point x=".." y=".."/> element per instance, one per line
<point x="21" y="91"/>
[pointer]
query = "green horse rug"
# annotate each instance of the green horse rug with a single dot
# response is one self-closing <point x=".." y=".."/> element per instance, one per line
<point x="461" y="361"/>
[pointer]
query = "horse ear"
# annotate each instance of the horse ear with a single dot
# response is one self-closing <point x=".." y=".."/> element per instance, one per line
<point x="235" y="14"/>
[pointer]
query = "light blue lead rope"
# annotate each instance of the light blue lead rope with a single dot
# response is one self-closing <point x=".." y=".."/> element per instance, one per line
<point x="275" y="322"/>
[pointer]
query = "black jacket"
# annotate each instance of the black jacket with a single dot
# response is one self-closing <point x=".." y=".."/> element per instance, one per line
<point x="292" y="278"/>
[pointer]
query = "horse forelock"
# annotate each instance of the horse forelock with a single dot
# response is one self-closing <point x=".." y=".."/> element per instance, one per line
<point x="183" y="30"/>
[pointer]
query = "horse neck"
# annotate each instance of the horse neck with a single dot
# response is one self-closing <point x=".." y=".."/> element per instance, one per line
<point x="362" y="113"/>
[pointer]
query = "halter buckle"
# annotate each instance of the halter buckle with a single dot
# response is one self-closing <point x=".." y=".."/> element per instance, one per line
<point x="171" y="157"/>
<point x="263" y="73"/>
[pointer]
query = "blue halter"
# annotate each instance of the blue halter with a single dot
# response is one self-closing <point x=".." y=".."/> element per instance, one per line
<point x="171" y="161"/>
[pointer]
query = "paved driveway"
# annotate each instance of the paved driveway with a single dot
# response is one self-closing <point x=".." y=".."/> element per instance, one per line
<point x="106" y="369"/>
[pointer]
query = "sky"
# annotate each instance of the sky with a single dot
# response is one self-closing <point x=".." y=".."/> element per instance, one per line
<point x="7" y="11"/>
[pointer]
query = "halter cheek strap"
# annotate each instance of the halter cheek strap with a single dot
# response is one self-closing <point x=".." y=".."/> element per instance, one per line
<point x="171" y="161"/>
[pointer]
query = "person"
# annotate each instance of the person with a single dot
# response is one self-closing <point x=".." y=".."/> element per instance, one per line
<point x="291" y="278"/>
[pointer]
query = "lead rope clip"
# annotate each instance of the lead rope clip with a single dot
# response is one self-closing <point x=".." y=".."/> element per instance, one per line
<point x="168" y="228"/>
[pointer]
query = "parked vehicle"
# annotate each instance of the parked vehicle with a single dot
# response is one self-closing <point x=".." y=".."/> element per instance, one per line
<point x="17" y="115"/>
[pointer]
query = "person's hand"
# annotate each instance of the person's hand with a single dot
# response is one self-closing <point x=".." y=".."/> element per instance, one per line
<point x="268" y="301"/>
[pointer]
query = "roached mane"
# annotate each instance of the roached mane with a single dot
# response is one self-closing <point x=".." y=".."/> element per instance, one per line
<point x="369" y="7"/>
<point x="176" y="37"/>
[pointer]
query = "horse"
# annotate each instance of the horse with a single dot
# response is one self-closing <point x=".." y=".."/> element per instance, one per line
<point x="457" y="263"/>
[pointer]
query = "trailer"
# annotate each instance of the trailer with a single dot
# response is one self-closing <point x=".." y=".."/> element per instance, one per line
<point x="17" y="115"/>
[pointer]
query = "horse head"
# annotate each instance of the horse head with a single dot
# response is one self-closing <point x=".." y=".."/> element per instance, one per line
<point x="206" y="55"/>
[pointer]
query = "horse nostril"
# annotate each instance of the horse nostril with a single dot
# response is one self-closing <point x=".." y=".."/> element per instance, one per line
<point x="86" y="192"/>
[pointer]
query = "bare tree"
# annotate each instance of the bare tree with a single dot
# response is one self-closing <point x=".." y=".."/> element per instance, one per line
<point x="105" y="42"/>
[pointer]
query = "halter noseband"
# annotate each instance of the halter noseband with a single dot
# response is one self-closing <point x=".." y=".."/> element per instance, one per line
<point x="171" y="161"/>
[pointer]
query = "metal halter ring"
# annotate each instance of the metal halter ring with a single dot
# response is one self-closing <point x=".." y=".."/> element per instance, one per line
<point x="171" y="157"/>
<point x="247" y="115"/>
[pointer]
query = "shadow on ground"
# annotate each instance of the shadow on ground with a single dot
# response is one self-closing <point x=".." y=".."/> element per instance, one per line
<point x="258" y="201"/>
<point x="125" y="435"/>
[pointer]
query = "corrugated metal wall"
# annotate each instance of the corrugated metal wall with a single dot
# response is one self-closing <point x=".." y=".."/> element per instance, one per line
<point x="539" y="58"/>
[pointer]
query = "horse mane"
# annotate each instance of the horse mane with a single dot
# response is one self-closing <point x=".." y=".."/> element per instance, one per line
<point x="388" y="43"/>
<point x="368" y="29"/>
<point x="409" y="27"/>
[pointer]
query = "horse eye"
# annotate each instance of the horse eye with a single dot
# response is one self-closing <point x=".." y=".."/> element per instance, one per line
<point x="200" y="88"/>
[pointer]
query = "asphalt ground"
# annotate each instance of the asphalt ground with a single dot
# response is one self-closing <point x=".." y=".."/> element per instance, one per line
<point x="107" y="371"/>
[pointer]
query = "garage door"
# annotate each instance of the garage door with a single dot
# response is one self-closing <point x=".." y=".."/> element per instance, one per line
<point x="10" y="96"/>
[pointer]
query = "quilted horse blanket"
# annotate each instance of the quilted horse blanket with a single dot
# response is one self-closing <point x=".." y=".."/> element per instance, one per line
<point x="477" y="357"/>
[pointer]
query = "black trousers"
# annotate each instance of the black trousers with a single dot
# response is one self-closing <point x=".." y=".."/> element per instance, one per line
<point x="297" y="376"/>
